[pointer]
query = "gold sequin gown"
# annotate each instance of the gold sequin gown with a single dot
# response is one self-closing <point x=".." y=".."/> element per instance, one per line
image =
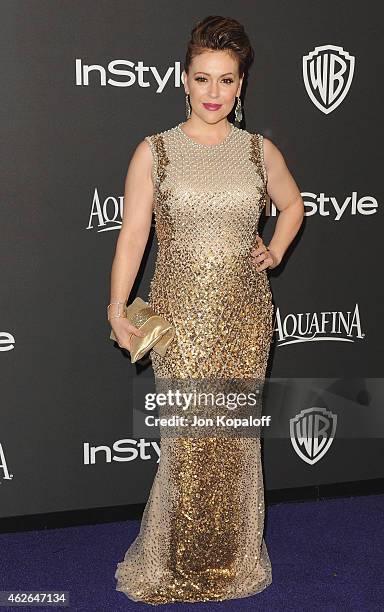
<point x="201" y="535"/>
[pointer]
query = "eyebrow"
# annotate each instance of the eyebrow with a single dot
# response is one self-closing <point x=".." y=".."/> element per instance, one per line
<point x="201" y="72"/>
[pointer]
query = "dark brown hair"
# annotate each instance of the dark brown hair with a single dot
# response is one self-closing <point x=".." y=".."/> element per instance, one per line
<point x="220" y="33"/>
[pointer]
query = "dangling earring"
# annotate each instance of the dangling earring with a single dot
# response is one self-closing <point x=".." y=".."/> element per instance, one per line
<point x="238" y="113"/>
<point x="187" y="107"/>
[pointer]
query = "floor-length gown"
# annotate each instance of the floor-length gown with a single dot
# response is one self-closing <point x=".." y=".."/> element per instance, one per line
<point x="201" y="535"/>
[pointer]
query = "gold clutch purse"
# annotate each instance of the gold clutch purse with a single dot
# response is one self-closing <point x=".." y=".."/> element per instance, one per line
<point x="159" y="333"/>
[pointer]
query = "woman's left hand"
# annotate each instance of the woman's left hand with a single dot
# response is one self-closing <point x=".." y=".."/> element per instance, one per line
<point x="262" y="257"/>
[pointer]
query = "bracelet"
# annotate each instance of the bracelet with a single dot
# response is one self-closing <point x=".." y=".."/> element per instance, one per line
<point x="119" y="313"/>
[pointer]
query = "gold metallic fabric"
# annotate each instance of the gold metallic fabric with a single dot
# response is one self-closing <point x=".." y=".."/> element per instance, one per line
<point x="159" y="333"/>
<point x="201" y="534"/>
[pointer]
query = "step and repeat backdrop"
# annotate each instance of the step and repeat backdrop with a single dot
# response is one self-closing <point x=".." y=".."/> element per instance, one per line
<point x="82" y="84"/>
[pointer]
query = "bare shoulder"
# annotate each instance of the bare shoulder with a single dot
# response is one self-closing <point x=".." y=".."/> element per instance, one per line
<point x="281" y="186"/>
<point x="272" y="154"/>
<point x="141" y="159"/>
<point x="143" y="150"/>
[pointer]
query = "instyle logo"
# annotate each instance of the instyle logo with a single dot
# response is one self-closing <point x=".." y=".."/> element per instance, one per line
<point x="128" y="73"/>
<point x="312" y="433"/>
<point x="327" y="73"/>
<point x="5" y="475"/>
<point x="327" y="325"/>
<point x="7" y="341"/>
<point x="122" y="451"/>
<point x="331" y="207"/>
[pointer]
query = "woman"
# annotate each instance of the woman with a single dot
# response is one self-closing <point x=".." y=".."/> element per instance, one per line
<point x="201" y="536"/>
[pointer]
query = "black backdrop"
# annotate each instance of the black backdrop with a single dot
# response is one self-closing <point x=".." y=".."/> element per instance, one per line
<point x="67" y="138"/>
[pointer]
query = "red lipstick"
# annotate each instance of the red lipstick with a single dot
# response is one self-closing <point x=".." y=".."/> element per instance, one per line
<point x="210" y="106"/>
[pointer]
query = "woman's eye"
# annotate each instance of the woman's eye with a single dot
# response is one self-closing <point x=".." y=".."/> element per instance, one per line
<point x="227" y="81"/>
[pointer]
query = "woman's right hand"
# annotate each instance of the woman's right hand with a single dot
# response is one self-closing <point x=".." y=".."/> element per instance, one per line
<point x="124" y="331"/>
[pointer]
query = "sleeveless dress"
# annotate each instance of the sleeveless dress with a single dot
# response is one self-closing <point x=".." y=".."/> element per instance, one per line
<point x="201" y="535"/>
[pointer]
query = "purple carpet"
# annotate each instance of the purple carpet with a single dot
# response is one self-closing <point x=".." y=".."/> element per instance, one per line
<point x="326" y="555"/>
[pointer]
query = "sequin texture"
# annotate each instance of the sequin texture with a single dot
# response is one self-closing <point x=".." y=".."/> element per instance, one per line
<point x="201" y="535"/>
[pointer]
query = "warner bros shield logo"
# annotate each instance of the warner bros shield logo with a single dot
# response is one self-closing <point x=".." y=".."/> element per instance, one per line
<point x="328" y="73"/>
<point x="312" y="432"/>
